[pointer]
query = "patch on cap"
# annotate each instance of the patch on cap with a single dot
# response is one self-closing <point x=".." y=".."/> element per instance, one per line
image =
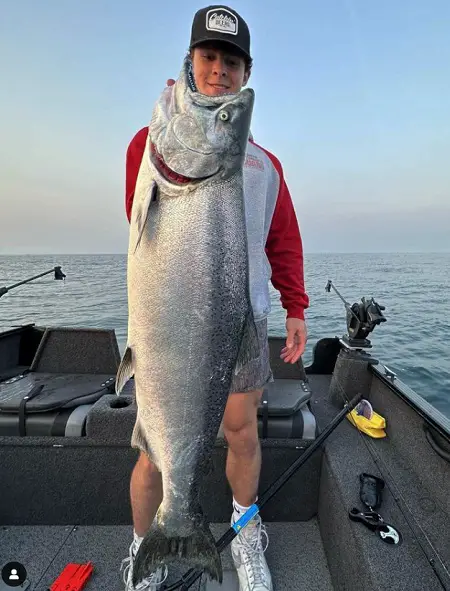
<point x="222" y="20"/>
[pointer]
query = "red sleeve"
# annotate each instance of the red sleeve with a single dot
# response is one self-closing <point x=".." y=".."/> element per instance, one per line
<point x="135" y="152"/>
<point x="284" y="250"/>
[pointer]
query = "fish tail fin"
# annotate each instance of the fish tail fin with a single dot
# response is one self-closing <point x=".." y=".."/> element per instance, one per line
<point x="197" y="550"/>
<point x="125" y="370"/>
<point x="250" y="348"/>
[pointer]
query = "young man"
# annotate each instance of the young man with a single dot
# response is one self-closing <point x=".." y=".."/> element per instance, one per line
<point x="220" y="50"/>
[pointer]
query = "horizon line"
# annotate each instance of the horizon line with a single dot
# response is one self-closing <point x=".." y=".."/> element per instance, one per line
<point x="305" y="253"/>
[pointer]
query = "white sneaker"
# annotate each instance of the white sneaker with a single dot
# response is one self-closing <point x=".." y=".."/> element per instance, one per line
<point x="151" y="583"/>
<point x="248" y="556"/>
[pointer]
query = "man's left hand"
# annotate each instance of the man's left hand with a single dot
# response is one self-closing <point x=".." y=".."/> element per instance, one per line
<point x="297" y="336"/>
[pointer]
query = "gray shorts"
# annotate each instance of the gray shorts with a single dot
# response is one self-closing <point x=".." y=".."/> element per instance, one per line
<point x="254" y="376"/>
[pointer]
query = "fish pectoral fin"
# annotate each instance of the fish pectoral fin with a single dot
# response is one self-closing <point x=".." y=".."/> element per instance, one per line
<point x="125" y="371"/>
<point x="250" y="348"/>
<point x="141" y="213"/>
<point x="197" y="550"/>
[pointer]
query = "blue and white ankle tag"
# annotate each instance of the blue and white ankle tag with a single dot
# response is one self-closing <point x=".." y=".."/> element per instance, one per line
<point x="248" y="515"/>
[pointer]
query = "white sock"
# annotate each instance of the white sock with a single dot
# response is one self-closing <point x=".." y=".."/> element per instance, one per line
<point x="137" y="542"/>
<point x="239" y="510"/>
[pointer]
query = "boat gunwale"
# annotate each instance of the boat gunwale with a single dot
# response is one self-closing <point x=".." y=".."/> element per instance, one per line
<point x="429" y="413"/>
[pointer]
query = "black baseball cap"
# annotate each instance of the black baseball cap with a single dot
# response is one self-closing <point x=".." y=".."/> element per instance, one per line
<point x="221" y="23"/>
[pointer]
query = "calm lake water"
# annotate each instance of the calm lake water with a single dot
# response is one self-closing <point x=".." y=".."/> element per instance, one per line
<point x="415" y="288"/>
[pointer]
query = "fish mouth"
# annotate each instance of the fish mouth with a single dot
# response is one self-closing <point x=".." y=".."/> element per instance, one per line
<point x="169" y="174"/>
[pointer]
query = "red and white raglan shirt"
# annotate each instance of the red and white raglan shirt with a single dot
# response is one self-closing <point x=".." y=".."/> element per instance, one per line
<point x="274" y="241"/>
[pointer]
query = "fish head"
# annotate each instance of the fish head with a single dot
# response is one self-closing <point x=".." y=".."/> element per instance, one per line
<point x="202" y="136"/>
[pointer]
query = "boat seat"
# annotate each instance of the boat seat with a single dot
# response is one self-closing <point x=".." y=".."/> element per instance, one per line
<point x="15" y="370"/>
<point x="13" y="355"/>
<point x="71" y="370"/>
<point x="285" y="412"/>
<point x="286" y="415"/>
<point x="68" y="391"/>
<point x="39" y="403"/>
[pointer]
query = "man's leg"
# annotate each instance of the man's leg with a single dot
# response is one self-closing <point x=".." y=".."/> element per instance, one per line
<point x="240" y="426"/>
<point x="244" y="453"/>
<point x="146" y="493"/>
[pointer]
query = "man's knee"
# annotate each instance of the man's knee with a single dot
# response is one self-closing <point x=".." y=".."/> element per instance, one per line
<point x="240" y="422"/>
<point x="147" y="468"/>
<point x="243" y="442"/>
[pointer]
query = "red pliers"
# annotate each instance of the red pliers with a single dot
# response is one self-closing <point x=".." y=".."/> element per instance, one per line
<point x="73" y="577"/>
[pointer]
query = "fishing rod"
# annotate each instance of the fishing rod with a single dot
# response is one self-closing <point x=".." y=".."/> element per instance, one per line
<point x="192" y="575"/>
<point x="329" y="287"/>
<point x="59" y="275"/>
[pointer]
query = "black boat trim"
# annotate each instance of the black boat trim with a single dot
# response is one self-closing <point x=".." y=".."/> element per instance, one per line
<point x="20" y="328"/>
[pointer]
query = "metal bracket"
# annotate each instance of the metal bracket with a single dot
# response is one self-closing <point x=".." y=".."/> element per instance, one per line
<point x="389" y="373"/>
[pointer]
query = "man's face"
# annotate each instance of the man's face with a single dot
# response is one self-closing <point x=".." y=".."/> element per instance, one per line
<point x="217" y="70"/>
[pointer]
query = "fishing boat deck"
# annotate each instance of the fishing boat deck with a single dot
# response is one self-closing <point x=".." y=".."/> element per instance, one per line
<point x="295" y="554"/>
<point x="66" y="499"/>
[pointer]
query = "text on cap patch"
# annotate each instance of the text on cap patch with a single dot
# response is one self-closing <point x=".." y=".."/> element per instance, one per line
<point x="221" y="20"/>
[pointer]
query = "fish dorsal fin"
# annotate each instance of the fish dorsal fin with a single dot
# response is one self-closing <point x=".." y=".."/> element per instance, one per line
<point x="125" y="370"/>
<point x="140" y="214"/>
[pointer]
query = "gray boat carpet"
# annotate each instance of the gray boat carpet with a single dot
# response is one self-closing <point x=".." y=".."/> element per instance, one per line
<point x="404" y="567"/>
<point x="295" y="555"/>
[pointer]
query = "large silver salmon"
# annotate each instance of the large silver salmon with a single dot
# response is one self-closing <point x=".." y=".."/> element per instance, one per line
<point x="190" y="318"/>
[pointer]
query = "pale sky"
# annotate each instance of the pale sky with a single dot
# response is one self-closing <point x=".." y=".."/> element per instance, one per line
<point x="352" y="96"/>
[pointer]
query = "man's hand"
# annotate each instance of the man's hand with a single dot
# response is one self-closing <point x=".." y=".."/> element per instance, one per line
<point x="297" y="336"/>
<point x="170" y="82"/>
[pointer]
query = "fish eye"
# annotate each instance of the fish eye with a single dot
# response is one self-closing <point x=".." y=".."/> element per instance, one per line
<point x="224" y="116"/>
